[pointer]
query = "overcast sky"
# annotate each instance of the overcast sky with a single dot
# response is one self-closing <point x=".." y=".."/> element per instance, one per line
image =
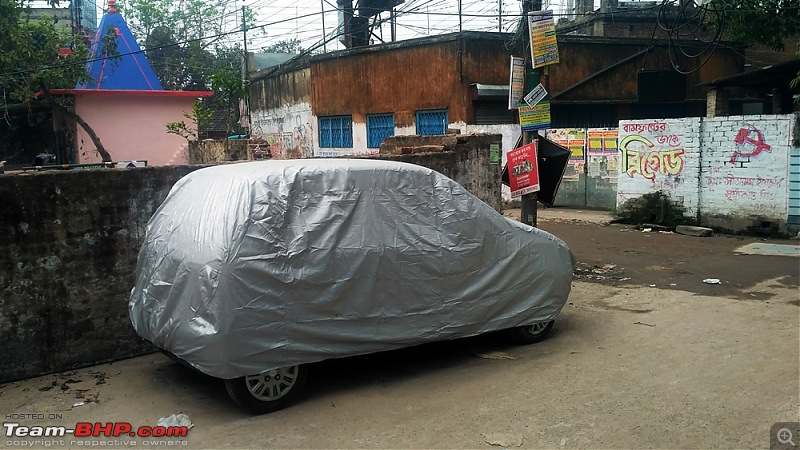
<point x="288" y="19"/>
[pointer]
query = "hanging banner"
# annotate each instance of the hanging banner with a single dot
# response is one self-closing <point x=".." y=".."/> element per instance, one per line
<point x="544" y="46"/>
<point x="523" y="170"/>
<point x="516" y="88"/>
<point x="532" y="118"/>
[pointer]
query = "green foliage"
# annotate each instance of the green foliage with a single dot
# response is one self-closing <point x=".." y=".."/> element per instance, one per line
<point x="30" y="61"/>
<point x="201" y="115"/>
<point x="766" y="22"/>
<point x="185" y="41"/>
<point x="284" y="46"/>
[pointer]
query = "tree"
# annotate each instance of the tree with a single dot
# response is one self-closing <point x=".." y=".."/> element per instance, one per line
<point x="187" y="41"/>
<point x="31" y="64"/>
<point x="284" y="46"/>
<point x="767" y="22"/>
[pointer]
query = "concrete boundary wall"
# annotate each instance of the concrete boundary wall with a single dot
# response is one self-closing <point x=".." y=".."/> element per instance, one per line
<point x="69" y="241"/>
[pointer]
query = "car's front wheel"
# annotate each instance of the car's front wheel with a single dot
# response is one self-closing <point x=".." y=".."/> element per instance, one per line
<point x="530" y="334"/>
<point x="268" y="391"/>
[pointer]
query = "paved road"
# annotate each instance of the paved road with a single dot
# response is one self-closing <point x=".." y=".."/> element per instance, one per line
<point x="627" y="366"/>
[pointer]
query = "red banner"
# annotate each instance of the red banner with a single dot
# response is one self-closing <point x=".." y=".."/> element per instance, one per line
<point x="523" y="170"/>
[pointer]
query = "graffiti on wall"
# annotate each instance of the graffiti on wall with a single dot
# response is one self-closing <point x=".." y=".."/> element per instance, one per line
<point x="289" y="135"/>
<point x="660" y="153"/>
<point x="750" y="143"/>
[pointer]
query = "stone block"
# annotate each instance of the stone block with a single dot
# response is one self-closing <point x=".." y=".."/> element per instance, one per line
<point x="694" y="231"/>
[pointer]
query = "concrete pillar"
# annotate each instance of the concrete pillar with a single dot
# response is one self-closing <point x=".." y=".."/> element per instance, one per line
<point x="717" y="102"/>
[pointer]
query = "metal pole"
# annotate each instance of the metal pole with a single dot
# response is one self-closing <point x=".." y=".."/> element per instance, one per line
<point x="324" y="35"/>
<point x="499" y="16"/>
<point x="459" y="16"/>
<point x="393" y="23"/>
<point x="528" y="202"/>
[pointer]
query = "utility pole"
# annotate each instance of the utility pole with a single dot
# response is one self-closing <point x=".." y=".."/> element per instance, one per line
<point x="499" y="16"/>
<point x="246" y="69"/>
<point x="324" y="35"/>
<point x="528" y="202"/>
<point x="459" y="16"/>
<point x="393" y="23"/>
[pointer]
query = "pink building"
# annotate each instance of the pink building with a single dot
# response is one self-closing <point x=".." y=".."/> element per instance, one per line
<point x="126" y="105"/>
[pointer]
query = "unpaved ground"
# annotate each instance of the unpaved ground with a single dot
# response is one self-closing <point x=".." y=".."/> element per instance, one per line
<point x="627" y="366"/>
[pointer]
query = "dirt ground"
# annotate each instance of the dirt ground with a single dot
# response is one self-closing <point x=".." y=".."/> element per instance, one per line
<point x="644" y="355"/>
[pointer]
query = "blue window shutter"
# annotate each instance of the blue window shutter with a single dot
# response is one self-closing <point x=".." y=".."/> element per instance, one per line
<point x="336" y="131"/>
<point x="379" y="127"/>
<point x="432" y="122"/>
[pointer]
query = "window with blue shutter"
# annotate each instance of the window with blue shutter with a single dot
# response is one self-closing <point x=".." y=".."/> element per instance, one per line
<point x="432" y="122"/>
<point x="379" y="127"/>
<point x="336" y="131"/>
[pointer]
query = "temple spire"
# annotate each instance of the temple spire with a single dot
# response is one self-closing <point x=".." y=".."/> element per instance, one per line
<point x="112" y="7"/>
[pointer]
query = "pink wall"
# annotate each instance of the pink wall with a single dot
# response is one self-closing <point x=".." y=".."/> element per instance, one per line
<point x="133" y="127"/>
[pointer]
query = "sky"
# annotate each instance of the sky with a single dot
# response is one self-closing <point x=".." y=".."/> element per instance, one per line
<point x="289" y="19"/>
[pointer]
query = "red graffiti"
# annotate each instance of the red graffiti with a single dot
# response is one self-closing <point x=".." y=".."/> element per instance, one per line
<point x="744" y="140"/>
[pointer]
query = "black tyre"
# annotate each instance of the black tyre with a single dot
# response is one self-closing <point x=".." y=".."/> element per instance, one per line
<point x="530" y="334"/>
<point x="268" y="391"/>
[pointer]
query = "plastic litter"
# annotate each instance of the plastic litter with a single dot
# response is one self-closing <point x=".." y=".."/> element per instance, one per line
<point x="175" y="420"/>
<point x="712" y="281"/>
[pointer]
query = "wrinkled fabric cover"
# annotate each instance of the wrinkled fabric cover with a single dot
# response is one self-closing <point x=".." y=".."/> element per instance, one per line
<point x="254" y="266"/>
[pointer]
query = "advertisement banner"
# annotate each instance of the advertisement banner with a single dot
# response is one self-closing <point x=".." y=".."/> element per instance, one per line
<point x="516" y="88"/>
<point x="532" y="118"/>
<point x="523" y="170"/>
<point x="544" y="47"/>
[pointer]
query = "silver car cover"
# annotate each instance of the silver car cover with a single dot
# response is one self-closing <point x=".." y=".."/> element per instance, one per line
<point x="254" y="266"/>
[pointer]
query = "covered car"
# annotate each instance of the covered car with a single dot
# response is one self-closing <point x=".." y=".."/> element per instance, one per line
<point x="250" y="271"/>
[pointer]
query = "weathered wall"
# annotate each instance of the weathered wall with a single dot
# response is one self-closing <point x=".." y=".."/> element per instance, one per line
<point x="211" y="150"/>
<point x="591" y="176"/>
<point x="464" y="158"/>
<point x="728" y="172"/>
<point x="68" y="248"/>
<point x="357" y="83"/>
<point x="69" y="242"/>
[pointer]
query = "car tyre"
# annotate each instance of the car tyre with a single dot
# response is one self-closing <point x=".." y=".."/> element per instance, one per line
<point x="268" y="391"/>
<point x="530" y="334"/>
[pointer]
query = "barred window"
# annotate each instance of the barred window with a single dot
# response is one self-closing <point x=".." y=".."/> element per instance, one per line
<point x="379" y="127"/>
<point x="432" y="122"/>
<point x="336" y="131"/>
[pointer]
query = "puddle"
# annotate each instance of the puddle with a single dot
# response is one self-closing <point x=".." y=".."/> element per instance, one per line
<point x="763" y="248"/>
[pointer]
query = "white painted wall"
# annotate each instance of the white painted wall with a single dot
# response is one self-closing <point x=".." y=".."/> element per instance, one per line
<point x="722" y="168"/>
<point x="735" y="184"/>
<point x="660" y="155"/>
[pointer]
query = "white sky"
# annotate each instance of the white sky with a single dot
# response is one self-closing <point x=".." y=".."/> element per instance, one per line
<point x="288" y="19"/>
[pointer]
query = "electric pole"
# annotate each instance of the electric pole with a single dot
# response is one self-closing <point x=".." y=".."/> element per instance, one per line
<point x="499" y="16"/>
<point x="528" y="202"/>
<point x="324" y="35"/>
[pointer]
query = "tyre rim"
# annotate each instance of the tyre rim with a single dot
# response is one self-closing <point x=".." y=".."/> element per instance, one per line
<point x="273" y="384"/>
<point x="537" y="328"/>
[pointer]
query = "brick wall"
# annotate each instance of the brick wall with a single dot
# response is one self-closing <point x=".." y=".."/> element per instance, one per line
<point x="745" y="170"/>
<point x="728" y="172"/>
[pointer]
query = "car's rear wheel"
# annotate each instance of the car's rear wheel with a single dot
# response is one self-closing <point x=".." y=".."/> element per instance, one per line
<point x="530" y="334"/>
<point x="268" y="391"/>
